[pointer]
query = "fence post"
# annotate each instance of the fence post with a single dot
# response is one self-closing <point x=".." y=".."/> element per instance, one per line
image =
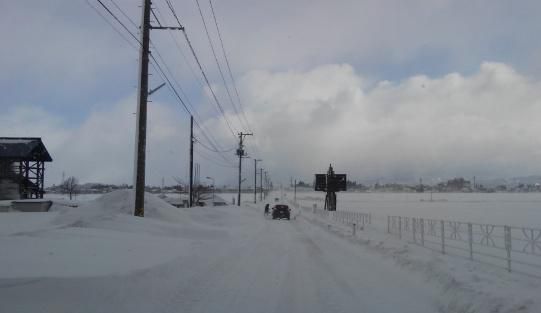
<point x="507" y="231"/>
<point x="413" y="228"/>
<point x="353" y="229"/>
<point x="388" y="224"/>
<point x="369" y="218"/>
<point x="400" y="227"/>
<point x="422" y="231"/>
<point x="442" y="237"/>
<point x="470" y="239"/>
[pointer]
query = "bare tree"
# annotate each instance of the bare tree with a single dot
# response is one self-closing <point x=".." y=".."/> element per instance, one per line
<point x="70" y="186"/>
<point x="201" y="193"/>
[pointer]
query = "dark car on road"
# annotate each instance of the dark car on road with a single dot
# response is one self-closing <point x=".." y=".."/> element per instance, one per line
<point x="280" y="211"/>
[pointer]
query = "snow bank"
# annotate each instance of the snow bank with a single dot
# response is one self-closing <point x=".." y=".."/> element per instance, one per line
<point x="96" y="238"/>
<point x="468" y="286"/>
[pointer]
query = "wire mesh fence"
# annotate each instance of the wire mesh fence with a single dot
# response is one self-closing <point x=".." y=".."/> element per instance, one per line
<point x="514" y="248"/>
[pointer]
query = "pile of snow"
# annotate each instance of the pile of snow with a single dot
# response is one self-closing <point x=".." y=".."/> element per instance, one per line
<point x="96" y="238"/>
<point x="469" y="286"/>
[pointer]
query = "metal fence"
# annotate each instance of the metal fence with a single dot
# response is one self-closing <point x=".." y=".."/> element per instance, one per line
<point x="515" y="248"/>
<point x="354" y="219"/>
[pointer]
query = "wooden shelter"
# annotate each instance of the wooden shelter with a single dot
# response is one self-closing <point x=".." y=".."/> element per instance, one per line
<point x="22" y="168"/>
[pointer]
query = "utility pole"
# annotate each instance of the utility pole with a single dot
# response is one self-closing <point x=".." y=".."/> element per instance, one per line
<point x="190" y="201"/>
<point x="141" y="119"/>
<point x="295" y="193"/>
<point x="266" y="185"/>
<point x="141" y="127"/>
<point x="260" y="184"/>
<point x="255" y="179"/>
<point x="240" y="153"/>
<point x="213" y="188"/>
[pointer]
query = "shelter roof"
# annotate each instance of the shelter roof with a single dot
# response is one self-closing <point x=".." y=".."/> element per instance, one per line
<point x="23" y="149"/>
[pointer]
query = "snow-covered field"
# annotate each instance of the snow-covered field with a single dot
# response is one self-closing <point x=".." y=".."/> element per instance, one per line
<point x="77" y="197"/>
<point x="513" y="209"/>
<point x="97" y="257"/>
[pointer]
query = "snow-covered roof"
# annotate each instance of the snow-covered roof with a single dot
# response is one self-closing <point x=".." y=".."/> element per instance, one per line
<point x="26" y="149"/>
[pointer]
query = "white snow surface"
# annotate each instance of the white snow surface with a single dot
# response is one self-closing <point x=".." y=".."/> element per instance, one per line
<point x="97" y="257"/>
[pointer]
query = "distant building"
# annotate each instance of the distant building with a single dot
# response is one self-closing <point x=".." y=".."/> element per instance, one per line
<point x="22" y="168"/>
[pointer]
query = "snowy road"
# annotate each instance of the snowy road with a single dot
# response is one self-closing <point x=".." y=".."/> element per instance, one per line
<point x="248" y="264"/>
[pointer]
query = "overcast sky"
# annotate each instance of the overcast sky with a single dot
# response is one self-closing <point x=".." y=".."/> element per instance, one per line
<point x="390" y="90"/>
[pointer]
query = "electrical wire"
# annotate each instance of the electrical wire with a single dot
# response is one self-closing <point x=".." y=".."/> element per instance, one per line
<point x="164" y="76"/>
<point x="119" y="21"/>
<point x="241" y="106"/>
<point x="155" y="64"/>
<point x="213" y="161"/>
<point x="212" y="149"/>
<point x="219" y="66"/>
<point x="184" y="57"/>
<point x="123" y="13"/>
<point x="112" y="26"/>
<point x="157" y="20"/>
<point x="228" y="66"/>
<point x="220" y="108"/>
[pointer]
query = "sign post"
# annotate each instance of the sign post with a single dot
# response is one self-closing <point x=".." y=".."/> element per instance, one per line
<point x="330" y="183"/>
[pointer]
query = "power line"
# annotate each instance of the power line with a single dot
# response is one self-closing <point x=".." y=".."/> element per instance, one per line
<point x="212" y="149"/>
<point x="185" y="59"/>
<point x="212" y="142"/>
<point x="256" y="148"/>
<point x="160" y="71"/>
<point x="201" y="69"/>
<point x="213" y="161"/>
<point x="112" y="26"/>
<point x="155" y="64"/>
<point x="157" y="20"/>
<point x="228" y="65"/>
<point x="218" y="64"/>
<point x="221" y="109"/>
<point x="119" y="21"/>
<point x="208" y="137"/>
<point x="123" y="13"/>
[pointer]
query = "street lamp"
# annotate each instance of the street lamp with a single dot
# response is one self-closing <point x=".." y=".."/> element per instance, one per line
<point x="212" y="188"/>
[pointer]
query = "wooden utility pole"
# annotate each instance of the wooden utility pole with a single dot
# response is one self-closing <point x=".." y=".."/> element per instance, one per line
<point x="266" y="185"/>
<point x="141" y="127"/>
<point x="240" y="153"/>
<point x="260" y="184"/>
<point x="255" y="179"/>
<point x="190" y="201"/>
<point x="141" y="119"/>
<point x="295" y="193"/>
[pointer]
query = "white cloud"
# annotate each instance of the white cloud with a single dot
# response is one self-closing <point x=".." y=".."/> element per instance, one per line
<point x="484" y="124"/>
<point x="101" y="149"/>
